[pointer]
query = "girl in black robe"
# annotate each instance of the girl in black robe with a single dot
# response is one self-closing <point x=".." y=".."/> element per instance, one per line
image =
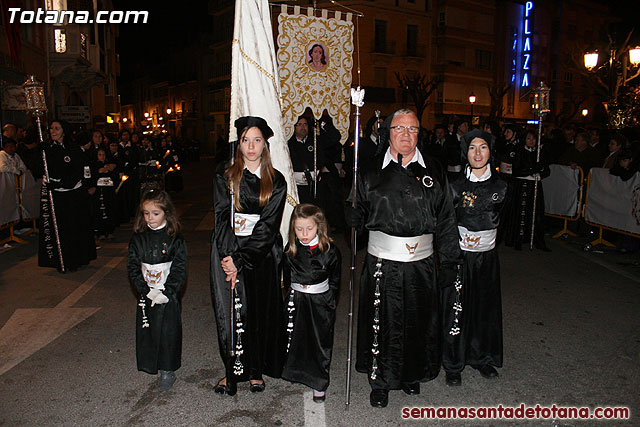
<point x="472" y="308"/>
<point x="311" y="279"/>
<point x="247" y="257"/>
<point x="68" y="168"/>
<point x="519" y="207"/>
<point x="157" y="267"/>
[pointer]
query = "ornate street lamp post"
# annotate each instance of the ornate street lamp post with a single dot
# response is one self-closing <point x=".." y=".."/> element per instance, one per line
<point x="472" y="101"/>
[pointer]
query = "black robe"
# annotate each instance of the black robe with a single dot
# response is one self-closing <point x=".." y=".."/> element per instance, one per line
<point x="103" y="201"/>
<point x="519" y="205"/>
<point x="257" y="258"/>
<point x="66" y="166"/>
<point x="405" y="202"/>
<point x="311" y="341"/>
<point x="478" y="206"/>
<point x="158" y="346"/>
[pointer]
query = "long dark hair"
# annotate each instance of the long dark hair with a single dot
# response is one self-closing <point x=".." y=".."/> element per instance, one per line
<point x="163" y="201"/>
<point x="323" y="59"/>
<point x="67" y="131"/>
<point x="309" y="211"/>
<point x="267" y="173"/>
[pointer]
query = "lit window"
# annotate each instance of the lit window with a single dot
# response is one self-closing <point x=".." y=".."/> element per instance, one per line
<point x="60" y="38"/>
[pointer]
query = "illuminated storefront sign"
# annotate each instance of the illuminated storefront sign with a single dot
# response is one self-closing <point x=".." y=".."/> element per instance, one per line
<point x="527" y="29"/>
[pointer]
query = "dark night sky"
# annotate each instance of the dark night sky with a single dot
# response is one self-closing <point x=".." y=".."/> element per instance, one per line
<point x="171" y="26"/>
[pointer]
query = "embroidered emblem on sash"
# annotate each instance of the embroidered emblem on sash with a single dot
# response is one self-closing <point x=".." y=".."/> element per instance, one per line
<point x="470" y="241"/>
<point x="412" y="249"/>
<point x="241" y="224"/>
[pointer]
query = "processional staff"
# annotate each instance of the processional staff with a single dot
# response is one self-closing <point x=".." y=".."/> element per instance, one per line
<point x="37" y="105"/>
<point x="540" y="107"/>
<point x="357" y="99"/>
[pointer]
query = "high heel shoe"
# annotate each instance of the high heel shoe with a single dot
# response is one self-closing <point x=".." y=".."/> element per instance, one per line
<point x="257" y="387"/>
<point x="229" y="388"/>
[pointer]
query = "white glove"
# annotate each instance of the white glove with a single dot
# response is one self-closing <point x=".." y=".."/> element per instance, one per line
<point x="160" y="299"/>
<point x="153" y="293"/>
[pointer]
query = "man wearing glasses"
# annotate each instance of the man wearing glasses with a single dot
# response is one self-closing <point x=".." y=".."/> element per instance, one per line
<point x="405" y="205"/>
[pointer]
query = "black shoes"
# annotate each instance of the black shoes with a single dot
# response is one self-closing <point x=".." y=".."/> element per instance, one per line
<point x="379" y="398"/>
<point x="319" y="396"/>
<point x="487" y="371"/>
<point x="167" y="378"/>
<point x="228" y="388"/>
<point x="411" y="388"/>
<point x="257" y="388"/>
<point x="453" y="379"/>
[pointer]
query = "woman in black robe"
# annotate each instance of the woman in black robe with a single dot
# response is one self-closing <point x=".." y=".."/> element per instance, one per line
<point x="519" y="206"/>
<point x="68" y="167"/>
<point x="472" y="308"/>
<point x="249" y="255"/>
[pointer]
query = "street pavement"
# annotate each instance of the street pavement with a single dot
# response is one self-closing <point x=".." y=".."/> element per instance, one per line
<point x="67" y="343"/>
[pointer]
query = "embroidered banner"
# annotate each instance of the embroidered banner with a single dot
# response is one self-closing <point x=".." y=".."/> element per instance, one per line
<point x="315" y="62"/>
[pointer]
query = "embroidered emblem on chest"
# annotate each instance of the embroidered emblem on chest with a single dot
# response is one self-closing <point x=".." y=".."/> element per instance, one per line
<point x="411" y="249"/>
<point x="154" y="276"/>
<point x="67" y="159"/>
<point x="427" y="181"/>
<point x="468" y="198"/>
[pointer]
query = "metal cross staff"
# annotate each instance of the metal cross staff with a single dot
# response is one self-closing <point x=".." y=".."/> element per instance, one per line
<point x="36" y="104"/>
<point x="357" y="99"/>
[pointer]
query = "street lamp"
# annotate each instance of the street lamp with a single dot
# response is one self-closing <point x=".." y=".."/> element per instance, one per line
<point x="472" y="100"/>
<point x="168" y="111"/>
<point x="622" y="62"/>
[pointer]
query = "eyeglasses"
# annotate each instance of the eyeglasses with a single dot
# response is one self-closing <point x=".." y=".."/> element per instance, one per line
<point x="401" y="129"/>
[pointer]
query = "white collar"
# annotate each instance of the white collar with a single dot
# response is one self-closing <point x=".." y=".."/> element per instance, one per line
<point x="313" y="242"/>
<point x="473" y="178"/>
<point x="257" y="172"/>
<point x="374" y="139"/>
<point x="417" y="157"/>
<point x="160" y="227"/>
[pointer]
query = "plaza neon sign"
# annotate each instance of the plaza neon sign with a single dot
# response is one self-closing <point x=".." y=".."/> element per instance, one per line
<point x="527" y="29"/>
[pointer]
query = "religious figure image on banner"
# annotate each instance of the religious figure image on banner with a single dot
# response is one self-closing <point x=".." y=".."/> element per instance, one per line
<point x="317" y="56"/>
<point x="315" y="61"/>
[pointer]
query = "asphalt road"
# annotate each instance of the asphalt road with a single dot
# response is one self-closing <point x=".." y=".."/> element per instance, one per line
<point x="67" y="343"/>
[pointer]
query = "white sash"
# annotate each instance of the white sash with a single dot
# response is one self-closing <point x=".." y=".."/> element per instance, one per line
<point x="105" y="181"/>
<point x="316" y="288"/>
<point x="78" y="184"/>
<point x="244" y="223"/>
<point x="506" y="168"/>
<point x="477" y="241"/>
<point x="301" y="178"/>
<point x="156" y="274"/>
<point x="530" y="177"/>
<point x="403" y="249"/>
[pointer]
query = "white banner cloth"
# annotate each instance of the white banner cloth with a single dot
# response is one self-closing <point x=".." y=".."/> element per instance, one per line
<point x="614" y="202"/>
<point x="561" y="191"/>
<point x="255" y="88"/>
<point x="30" y="196"/>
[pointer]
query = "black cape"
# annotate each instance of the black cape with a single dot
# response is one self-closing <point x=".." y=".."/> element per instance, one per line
<point x="478" y="206"/>
<point x="258" y="259"/>
<point x="159" y="346"/>
<point x="405" y="202"/>
<point x="311" y="342"/>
